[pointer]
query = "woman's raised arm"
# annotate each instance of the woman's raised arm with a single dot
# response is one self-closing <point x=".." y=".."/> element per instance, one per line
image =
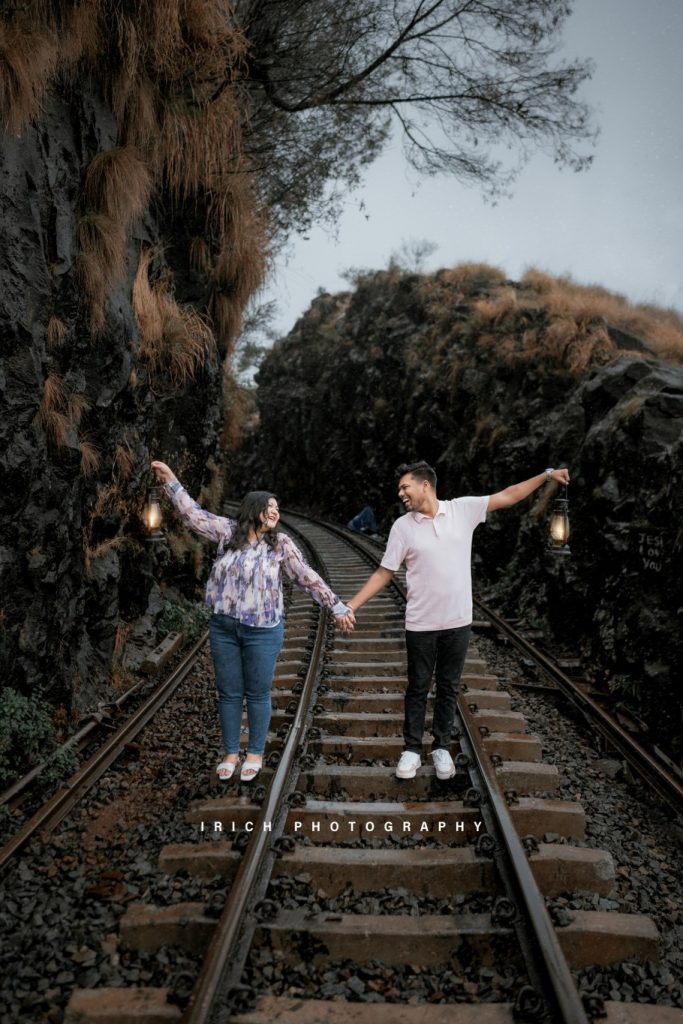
<point x="215" y="528"/>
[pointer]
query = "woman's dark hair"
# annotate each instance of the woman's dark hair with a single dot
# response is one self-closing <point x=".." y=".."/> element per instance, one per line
<point x="249" y="515"/>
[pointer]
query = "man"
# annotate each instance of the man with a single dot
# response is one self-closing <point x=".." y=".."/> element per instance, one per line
<point x="435" y="541"/>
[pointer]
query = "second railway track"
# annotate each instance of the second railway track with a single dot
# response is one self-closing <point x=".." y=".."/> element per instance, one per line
<point x="355" y="896"/>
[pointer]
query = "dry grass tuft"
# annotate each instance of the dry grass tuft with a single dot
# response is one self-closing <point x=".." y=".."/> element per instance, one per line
<point x="116" y="190"/>
<point x="473" y="278"/>
<point x="76" y="407"/>
<point x="174" y="340"/>
<point x="27" y="64"/>
<point x="59" y="412"/>
<point x="148" y="314"/>
<point x="239" y="269"/>
<point x="124" y="460"/>
<point x="137" y="104"/>
<point x="593" y="308"/>
<point x="118" y="184"/>
<point x="90" y="457"/>
<point x="200" y="255"/>
<point x="51" y="415"/>
<point x="56" y="332"/>
<point x="101" y="261"/>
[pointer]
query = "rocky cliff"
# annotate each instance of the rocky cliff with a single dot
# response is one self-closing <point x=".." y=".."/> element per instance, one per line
<point x="126" y="257"/>
<point x="491" y="381"/>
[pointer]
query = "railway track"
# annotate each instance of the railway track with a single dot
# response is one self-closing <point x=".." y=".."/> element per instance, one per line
<point x="429" y="900"/>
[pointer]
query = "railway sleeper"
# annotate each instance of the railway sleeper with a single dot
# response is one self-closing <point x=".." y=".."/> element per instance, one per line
<point x="426" y="871"/>
<point x="283" y="1010"/>
<point x="361" y="782"/>
<point x="449" y="821"/>
<point x="151" y="1006"/>
<point x="592" y="937"/>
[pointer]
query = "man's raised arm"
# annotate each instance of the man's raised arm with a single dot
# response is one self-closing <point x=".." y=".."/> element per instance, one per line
<point x="517" y="492"/>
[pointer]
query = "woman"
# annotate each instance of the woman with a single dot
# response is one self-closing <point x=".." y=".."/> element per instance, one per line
<point x="247" y="627"/>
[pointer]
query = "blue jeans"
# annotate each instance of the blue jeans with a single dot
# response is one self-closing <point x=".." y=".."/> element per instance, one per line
<point x="244" y="662"/>
<point x="440" y="651"/>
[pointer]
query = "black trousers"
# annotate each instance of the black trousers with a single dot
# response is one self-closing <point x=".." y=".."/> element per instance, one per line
<point x="440" y="651"/>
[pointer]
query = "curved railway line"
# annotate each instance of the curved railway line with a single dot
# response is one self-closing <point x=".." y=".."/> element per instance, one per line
<point x="446" y="881"/>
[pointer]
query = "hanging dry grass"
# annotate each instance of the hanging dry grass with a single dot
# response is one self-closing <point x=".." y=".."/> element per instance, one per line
<point x="82" y="34"/>
<point x="60" y="412"/>
<point x="136" y="103"/>
<point x="76" y="407"/>
<point x="174" y="340"/>
<point x="146" y="309"/>
<point x="116" y="190"/>
<point x="198" y="146"/>
<point x="170" y="70"/>
<point x="51" y="415"/>
<point x="239" y="269"/>
<point x="56" y="332"/>
<point x="37" y="42"/>
<point x="101" y="261"/>
<point x="90" y="457"/>
<point x="200" y="255"/>
<point x="27" y="65"/>
<point x="124" y="461"/>
<point x="118" y="184"/>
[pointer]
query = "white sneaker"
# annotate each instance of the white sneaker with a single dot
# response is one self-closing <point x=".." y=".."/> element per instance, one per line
<point x="443" y="762"/>
<point x="407" y="766"/>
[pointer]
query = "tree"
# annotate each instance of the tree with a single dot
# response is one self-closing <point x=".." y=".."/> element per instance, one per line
<point x="469" y="82"/>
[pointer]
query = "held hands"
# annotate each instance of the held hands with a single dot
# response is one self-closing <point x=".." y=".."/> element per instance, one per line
<point x="346" y="622"/>
<point x="163" y="472"/>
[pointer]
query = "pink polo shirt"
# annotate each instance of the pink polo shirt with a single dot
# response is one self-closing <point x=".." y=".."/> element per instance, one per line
<point x="437" y="553"/>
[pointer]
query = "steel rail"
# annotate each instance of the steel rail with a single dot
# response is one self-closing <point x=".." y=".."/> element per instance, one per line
<point x="68" y="795"/>
<point x="556" y="978"/>
<point x="663" y="782"/>
<point x="561" y="992"/>
<point x="233" y="920"/>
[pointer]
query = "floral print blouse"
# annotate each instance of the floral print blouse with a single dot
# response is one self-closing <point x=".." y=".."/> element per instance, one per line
<point x="246" y="584"/>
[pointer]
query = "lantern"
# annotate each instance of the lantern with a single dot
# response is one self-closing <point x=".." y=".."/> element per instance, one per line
<point x="559" y="525"/>
<point x="153" y="514"/>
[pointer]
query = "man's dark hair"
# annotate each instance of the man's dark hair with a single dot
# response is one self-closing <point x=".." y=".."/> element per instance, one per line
<point x="419" y="470"/>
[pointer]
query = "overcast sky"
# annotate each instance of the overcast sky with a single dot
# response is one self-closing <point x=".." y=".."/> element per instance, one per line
<point x="617" y="224"/>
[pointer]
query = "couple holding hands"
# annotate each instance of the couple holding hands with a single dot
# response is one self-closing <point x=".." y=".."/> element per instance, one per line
<point x="244" y="592"/>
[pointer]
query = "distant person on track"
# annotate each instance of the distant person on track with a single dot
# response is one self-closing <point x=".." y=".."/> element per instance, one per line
<point x="244" y="593"/>
<point x="434" y="539"/>
<point x="364" y="522"/>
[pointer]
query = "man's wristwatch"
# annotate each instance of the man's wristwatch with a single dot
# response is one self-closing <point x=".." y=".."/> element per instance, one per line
<point x="548" y="474"/>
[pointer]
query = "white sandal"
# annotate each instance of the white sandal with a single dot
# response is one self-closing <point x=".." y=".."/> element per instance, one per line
<point x="226" y="770"/>
<point x="250" y="770"/>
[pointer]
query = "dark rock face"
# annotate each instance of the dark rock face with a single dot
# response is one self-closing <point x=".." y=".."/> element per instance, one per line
<point x="384" y="375"/>
<point x="72" y="551"/>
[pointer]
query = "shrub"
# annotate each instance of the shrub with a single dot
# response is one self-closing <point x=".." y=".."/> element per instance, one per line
<point x="25" y="733"/>
<point x="190" y="619"/>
